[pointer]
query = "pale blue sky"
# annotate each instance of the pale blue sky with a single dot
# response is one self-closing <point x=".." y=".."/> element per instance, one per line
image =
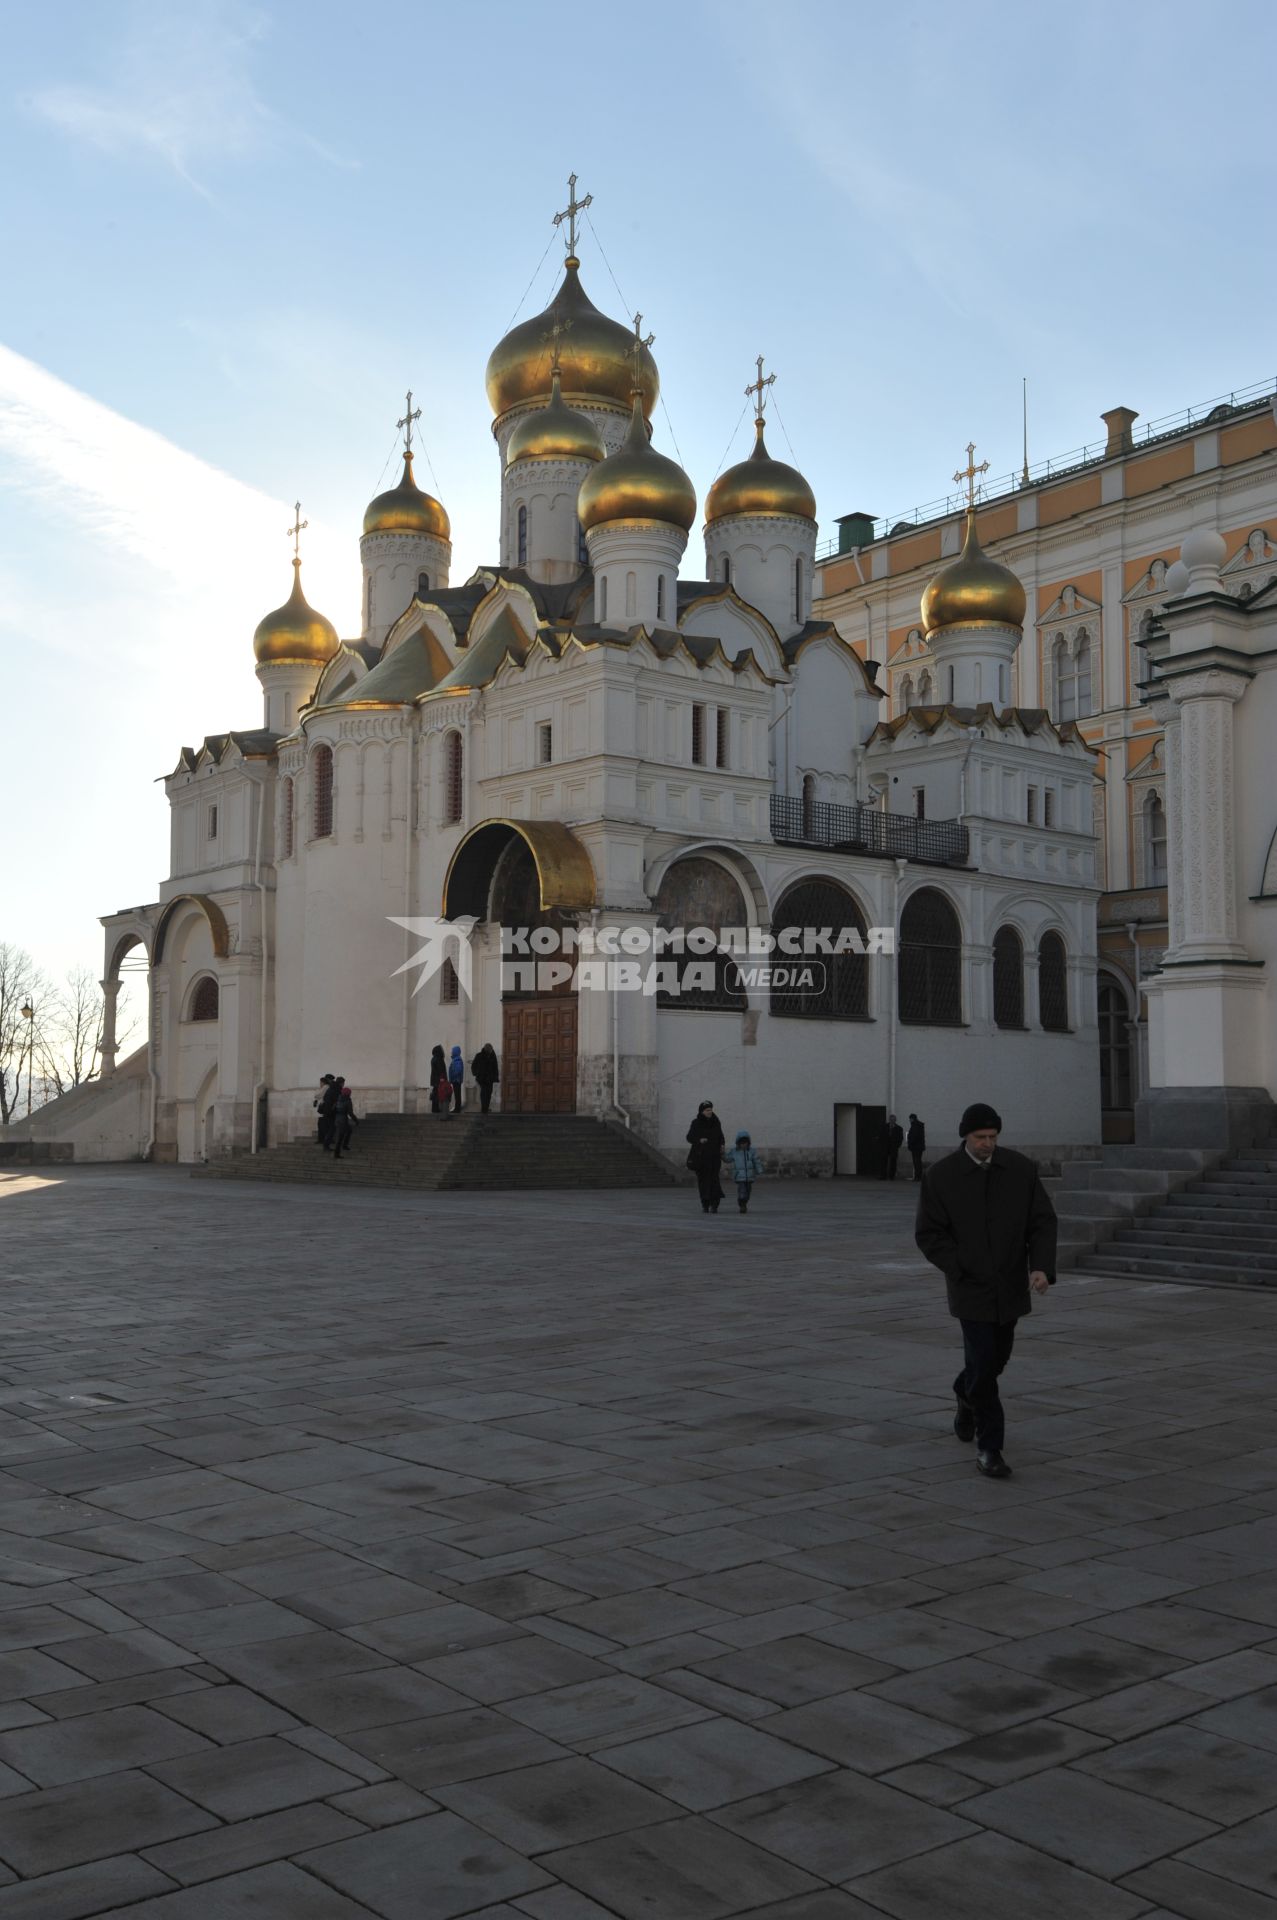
<point x="234" y="234"/>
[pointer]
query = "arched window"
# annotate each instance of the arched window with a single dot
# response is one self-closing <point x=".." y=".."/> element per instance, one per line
<point x="727" y="570"/>
<point x="368" y="603"/>
<point x="321" y="768"/>
<point x="449" y="985"/>
<point x="603" y="601"/>
<point x="809" y="806"/>
<point x="926" y="693"/>
<point x="698" y="893"/>
<point x="523" y="536"/>
<point x="951" y="680"/>
<point x="839" y="987"/>
<point x="1115" y="1043"/>
<point x="798" y="590"/>
<point x="1154" y="842"/>
<point x="286" y="821"/>
<point x="582" y="551"/>
<point x="204" y="1000"/>
<point x="1065" y="692"/>
<point x="1008" y="978"/>
<point x="1053" y="985"/>
<point x="453" y="779"/>
<point x="929" y="964"/>
<point x="1002" y="683"/>
<point x="906" y="693"/>
<point x="631" y="596"/>
<point x="423" y="583"/>
<point x="660" y="596"/>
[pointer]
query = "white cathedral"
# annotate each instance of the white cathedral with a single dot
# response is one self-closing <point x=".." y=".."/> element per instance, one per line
<point x="589" y="734"/>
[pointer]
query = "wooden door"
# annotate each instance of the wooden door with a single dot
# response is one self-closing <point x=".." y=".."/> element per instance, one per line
<point x="538" y="1064"/>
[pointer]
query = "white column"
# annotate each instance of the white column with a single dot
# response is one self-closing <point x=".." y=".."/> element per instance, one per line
<point x="110" y="995"/>
<point x="1204" y="817"/>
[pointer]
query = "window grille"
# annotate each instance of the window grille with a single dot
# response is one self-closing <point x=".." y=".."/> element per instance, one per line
<point x="929" y="963"/>
<point x="1031" y="807"/>
<point x="1008" y="978"/>
<point x="212" y="823"/>
<point x="1053" y="992"/>
<point x="322" y="774"/>
<point x="841" y="989"/>
<point x="204" y="1000"/>
<point x="660" y="596"/>
<point x="449" y="985"/>
<point x="1048" y="807"/>
<point x="1115" y="1043"/>
<point x="722" y="722"/>
<point x="453" y="779"/>
<point x="920" y="803"/>
<point x="286" y="823"/>
<point x="698" y="893"/>
<point x="545" y="743"/>
<point x="523" y="536"/>
<point x="698" y="736"/>
<point x="1154" y="842"/>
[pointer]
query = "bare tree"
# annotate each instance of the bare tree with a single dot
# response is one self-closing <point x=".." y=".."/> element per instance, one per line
<point x="22" y="1040"/>
<point x="73" y="1037"/>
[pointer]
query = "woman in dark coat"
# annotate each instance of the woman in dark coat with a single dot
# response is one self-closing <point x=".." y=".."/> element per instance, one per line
<point x="486" y="1073"/>
<point x="705" y="1156"/>
<point x="438" y="1072"/>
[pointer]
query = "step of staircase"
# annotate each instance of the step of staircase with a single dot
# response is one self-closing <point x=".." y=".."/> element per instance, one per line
<point x="1215" y="1226"/>
<point x="493" y="1152"/>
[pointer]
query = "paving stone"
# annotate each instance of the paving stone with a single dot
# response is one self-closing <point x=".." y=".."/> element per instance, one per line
<point x="681" y="1870"/>
<point x="600" y="1713"/>
<point x="453" y="1746"/>
<point x="794" y="1670"/>
<point x="227" y="1714"/>
<point x="994" y="1875"/>
<point x="441" y="1866"/>
<point x="80" y="1892"/>
<point x="63" y="1750"/>
<point x="252" y="1777"/>
<point x="301" y="1658"/>
<point x="1196" y="1895"/>
<point x="29" y="1674"/>
<point x="117" y="1656"/>
<point x="975" y="1694"/>
<point x="1252" y="1719"/>
<point x="1234" y="1674"/>
<point x="1010" y="1753"/>
<point x="1246" y="1853"/>
<point x="841" y="1825"/>
<point x="383" y="1805"/>
<point x="1188" y="1767"/>
<point x="933" y="1781"/>
<point x="281" y="1891"/>
<point x="908" y="1637"/>
<point x="91" y="1820"/>
<point x="512" y="1667"/>
<point x="862" y="1731"/>
<point x="250" y="1843"/>
<point x="1090" y="1823"/>
<point x="375" y="1698"/>
<point x="713" y="1762"/>
<point x="560" y="1804"/>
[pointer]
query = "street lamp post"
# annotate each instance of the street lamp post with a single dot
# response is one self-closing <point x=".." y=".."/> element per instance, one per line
<point x="28" y="1014"/>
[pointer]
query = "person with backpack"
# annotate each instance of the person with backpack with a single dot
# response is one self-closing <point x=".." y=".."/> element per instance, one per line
<point x="438" y="1078"/>
<point x="456" y="1076"/>
<point x="916" y="1142"/>
<point x="745" y="1168"/>
<point x="344" y="1120"/>
<point x="484" y="1069"/>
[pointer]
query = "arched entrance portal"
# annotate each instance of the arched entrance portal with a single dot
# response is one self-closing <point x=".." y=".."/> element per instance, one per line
<point x="529" y="878"/>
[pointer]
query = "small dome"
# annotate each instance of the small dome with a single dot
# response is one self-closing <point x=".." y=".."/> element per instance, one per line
<point x="760" y="485"/>
<point x="556" y="432"/>
<point x="637" y="483"/>
<point x="295" y="633"/>
<point x="406" y="509"/>
<point x="596" y="355"/>
<point x="973" y="591"/>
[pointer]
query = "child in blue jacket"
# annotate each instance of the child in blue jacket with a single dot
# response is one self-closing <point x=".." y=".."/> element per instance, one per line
<point x="746" y="1167"/>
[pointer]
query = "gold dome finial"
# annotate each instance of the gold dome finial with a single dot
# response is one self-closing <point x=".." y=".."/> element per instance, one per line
<point x="407" y="508"/>
<point x="637" y="483"/>
<point x="973" y="590"/>
<point x="569" y="213"/>
<point x="760" y="485"/>
<point x="294" y="634"/>
<point x="556" y="431"/>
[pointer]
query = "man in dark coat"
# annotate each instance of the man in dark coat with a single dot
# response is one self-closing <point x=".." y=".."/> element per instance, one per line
<point x="916" y="1142"/>
<point x="985" y="1219"/>
<point x="893" y="1138"/>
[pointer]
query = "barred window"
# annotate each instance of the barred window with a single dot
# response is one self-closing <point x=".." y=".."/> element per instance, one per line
<point x="449" y="985"/>
<point x="727" y="570"/>
<point x="841" y="980"/>
<point x="1008" y="978"/>
<point x="1154" y="842"/>
<point x="929" y="964"/>
<point x="453" y="779"/>
<point x="660" y="596"/>
<point x="699" y="893"/>
<point x="423" y="583"/>
<point x="603" y="601"/>
<point x="582" y="551"/>
<point x="286" y="821"/>
<point x="722" y="724"/>
<point x="322" y="776"/>
<point x="698" y="736"/>
<point x="523" y="536"/>
<point x="1053" y="991"/>
<point x="798" y="591"/>
<point x="204" y="1000"/>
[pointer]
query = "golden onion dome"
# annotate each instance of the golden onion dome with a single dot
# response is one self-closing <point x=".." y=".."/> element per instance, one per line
<point x="556" y="432"/>
<point x="760" y="485"/>
<point x="973" y="591"/>
<point x="597" y="355"/>
<point x="406" y="509"/>
<point x="295" y="634"/>
<point x="636" y="483"/>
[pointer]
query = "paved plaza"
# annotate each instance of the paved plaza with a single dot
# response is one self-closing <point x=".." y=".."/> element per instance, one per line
<point x="556" y="1556"/>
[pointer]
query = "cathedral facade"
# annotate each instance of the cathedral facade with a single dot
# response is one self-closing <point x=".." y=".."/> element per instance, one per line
<point x="589" y="747"/>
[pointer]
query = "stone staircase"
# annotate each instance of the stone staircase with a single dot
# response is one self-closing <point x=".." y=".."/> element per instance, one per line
<point x="474" y="1151"/>
<point x="1218" y="1227"/>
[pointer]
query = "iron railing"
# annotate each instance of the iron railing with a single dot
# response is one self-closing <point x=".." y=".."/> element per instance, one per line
<point x="1241" y="400"/>
<point x="797" y="822"/>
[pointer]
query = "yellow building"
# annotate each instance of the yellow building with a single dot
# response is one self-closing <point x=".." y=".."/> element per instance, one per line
<point x="1092" y="537"/>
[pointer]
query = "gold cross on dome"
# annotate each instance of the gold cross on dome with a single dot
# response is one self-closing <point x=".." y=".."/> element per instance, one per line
<point x="970" y="472"/>
<point x="759" y="389"/>
<point x="640" y="341"/>
<point x="552" y="337"/>
<point x="405" y="425"/>
<point x="295" y="531"/>
<point x="569" y="213"/>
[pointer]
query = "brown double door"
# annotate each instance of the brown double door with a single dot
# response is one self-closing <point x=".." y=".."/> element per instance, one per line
<point x="538" y="1056"/>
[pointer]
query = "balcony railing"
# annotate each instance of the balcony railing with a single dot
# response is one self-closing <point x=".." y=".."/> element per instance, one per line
<point x="863" y="829"/>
